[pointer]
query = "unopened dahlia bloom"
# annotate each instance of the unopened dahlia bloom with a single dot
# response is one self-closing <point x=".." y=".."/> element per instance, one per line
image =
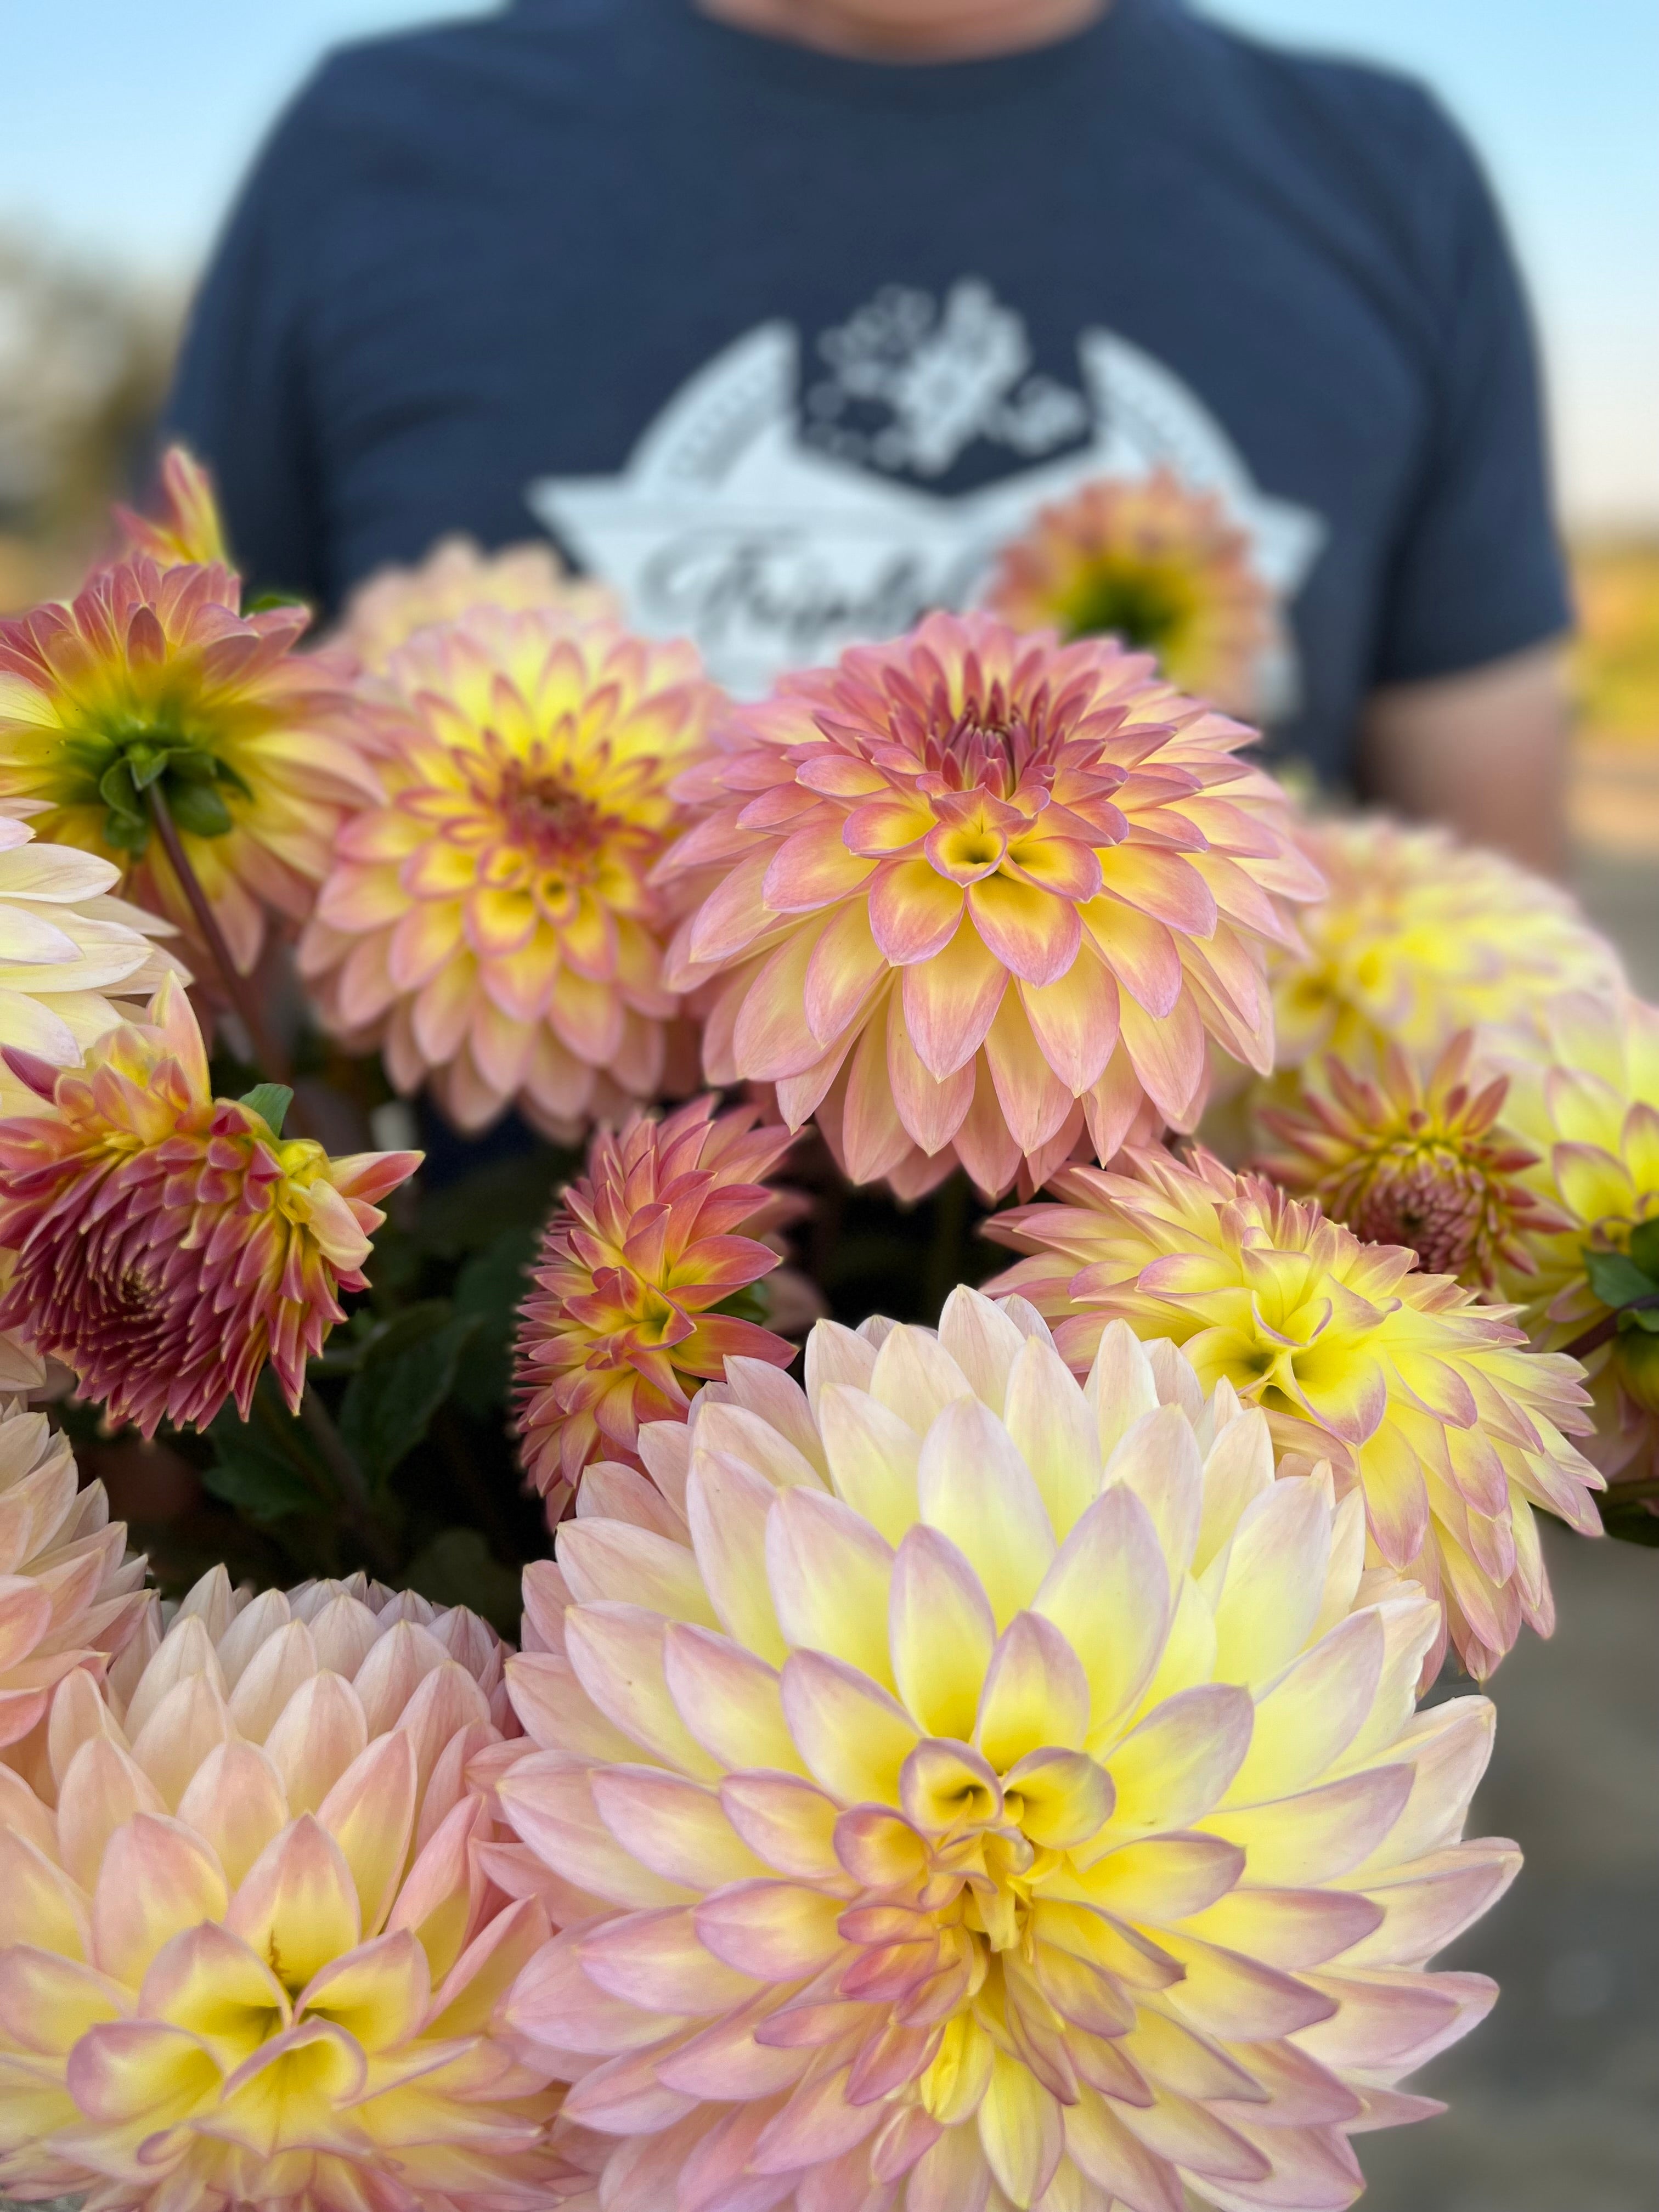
<point x="70" y="954"/>
<point x="189" y="529"/>
<point x="1588" y="1104"/>
<point x="640" y="1256"/>
<point x="1421" y="1397"/>
<point x="490" y="923"/>
<point x="1154" y="564"/>
<point x="458" y="578"/>
<point x="252" y="1948"/>
<point x="165" y="1244"/>
<point x="69" y="1596"/>
<point x="972" y="891"/>
<point x="1419" y="936"/>
<point x="971" y="1789"/>
<point x="1419" y="1162"/>
<point x="153" y="679"/>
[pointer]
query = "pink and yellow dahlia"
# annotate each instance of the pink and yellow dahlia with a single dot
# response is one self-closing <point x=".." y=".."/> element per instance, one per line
<point x="69" y="1595"/>
<point x="970" y="1789"/>
<point x="165" y="1245"/>
<point x="634" y="1284"/>
<point x="1422" y="1399"/>
<point x="972" y="891"/>
<point x="251" y="1942"/>
<point x="489" y="922"/>
<point x="1587" y="1102"/>
<point x="458" y="578"/>
<point x="72" y="958"/>
<point x="153" y="681"/>
<point x="1424" y="1164"/>
<point x="1417" y="937"/>
<point x="190" y="530"/>
<point x="1155" y="564"/>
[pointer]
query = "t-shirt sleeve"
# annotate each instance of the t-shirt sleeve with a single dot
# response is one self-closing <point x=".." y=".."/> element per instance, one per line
<point x="239" y="399"/>
<point x="1477" y="570"/>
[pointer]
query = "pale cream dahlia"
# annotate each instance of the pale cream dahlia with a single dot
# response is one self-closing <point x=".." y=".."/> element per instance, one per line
<point x="252" y="1945"/>
<point x="490" y="922"/>
<point x="456" y="579"/>
<point x="1422" y="1399"/>
<point x="629" y="1308"/>
<point x="154" y="681"/>
<point x="1158" y="566"/>
<point x="69" y="1595"/>
<point x="971" y="1790"/>
<point x="1588" y="1104"/>
<point x="1418" y="1159"/>
<point x="973" y="892"/>
<point x="70" y="955"/>
<point x="166" y="1244"/>
<point x="1419" y="936"/>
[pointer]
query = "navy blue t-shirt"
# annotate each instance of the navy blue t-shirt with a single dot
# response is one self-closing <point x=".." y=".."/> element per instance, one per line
<point x="785" y="345"/>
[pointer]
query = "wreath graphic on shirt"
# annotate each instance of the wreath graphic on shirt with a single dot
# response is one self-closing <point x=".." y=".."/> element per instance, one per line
<point x="776" y="516"/>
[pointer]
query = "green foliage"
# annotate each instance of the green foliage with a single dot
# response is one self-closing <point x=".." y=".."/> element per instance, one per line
<point x="259" y="1478"/>
<point x="457" y="1568"/>
<point x="405" y="1370"/>
<point x="1629" y="1521"/>
<point x="491" y="1288"/>
<point x="270" y="1102"/>
<point x="1628" y="1281"/>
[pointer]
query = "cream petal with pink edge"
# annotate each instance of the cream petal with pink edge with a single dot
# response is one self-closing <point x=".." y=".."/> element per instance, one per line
<point x="961" y="887"/>
<point x="1050" y="1776"/>
<point x="258" y="1954"/>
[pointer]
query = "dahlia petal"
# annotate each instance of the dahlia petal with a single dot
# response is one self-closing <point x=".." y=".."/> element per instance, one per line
<point x="1107" y="1591"/>
<point x="931" y="1111"/>
<point x="845" y="965"/>
<point x="556" y="2002"/>
<point x="1054" y="1432"/>
<point x="1312" y="1713"/>
<point x="829" y="1574"/>
<point x="1020" y="2130"/>
<point x="1033" y="1099"/>
<point x="1274" y="1579"/>
<point x="791" y="1824"/>
<point x="913" y="913"/>
<point x="814" y="868"/>
<point x="1168" y="886"/>
<point x="1075" y="1021"/>
<point x="617" y="1653"/>
<point x="974" y="1487"/>
<point x="773" y="1931"/>
<point x="1320" y="1834"/>
<point x="1035" y="935"/>
<point x="1176" y="1765"/>
<point x="1140" y="952"/>
<point x="607" y="1559"/>
<point x="1392" y="2019"/>
<point x="873" y="1139"/>
<point x="297" y="1904"/>
<point x="941" y="1632"/>
<point x="853" y="1736"/>
<point x="552" y="1809"/>
<point x="156" y="1880"/>
<point x="730" y="1701"/>
<point x="772" y="1036"/>
<point x="1104" y="2149"/>
<point x="728" y="1506"/>
<point x="676" y="1828"/>
<point x="1035" y="1695"/>
<point x="1168" y="1057"/>
<point x="950" y="1001"/>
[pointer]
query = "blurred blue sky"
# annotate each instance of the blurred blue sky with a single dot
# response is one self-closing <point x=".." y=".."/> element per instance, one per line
<point x="124" y="124"/>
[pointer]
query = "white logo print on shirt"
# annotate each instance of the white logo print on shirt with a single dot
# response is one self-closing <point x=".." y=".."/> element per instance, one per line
<point x="773" y="542"/>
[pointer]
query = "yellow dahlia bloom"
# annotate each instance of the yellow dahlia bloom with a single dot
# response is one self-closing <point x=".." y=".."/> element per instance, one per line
<point x="153" y="679"/>
<point x="972" y="891"/>
<point x="165" y="1243"/>
<point x="70" y="954"/>
<point x="1155" y="564"/>
<point x="1419" y="936"/>
<point x="69" y="1596"/>
<point x="1588" y="1104"/>
<point x="1422" y="1398"/>
<point x="625" y="1318"/>
<point x="457" y="579"/>
<point x="969" y="1788"/>
<point x="1420" y="1162"/>
<point x="252" y="1948"/>
<point x="489" y="922"/>
<point x="189" y="529"/>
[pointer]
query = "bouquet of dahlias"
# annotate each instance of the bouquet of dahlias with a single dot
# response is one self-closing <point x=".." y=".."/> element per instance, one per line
<point x="640" y="1677"/>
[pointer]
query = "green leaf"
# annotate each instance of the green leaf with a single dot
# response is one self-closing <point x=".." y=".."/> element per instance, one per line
<point x="1645" y="1318"/>
<point x="263" y="603"/>
<point x="408" y="1369"/>
<point x="198" y="808"/>
<point x="128" y="833"/>
<point x="147" y="763"/>
<point x="470" y="1214"/>
<point x="457" y="1568"/>
<point x="1644" y="1248"/>
<point x="492" y="1285"/>
<point x="270" y="1102"/>
<point x="119" y="792"/>
<point x="1630" y="1524"/>
<point x="255" y="1475"/>
<point x="1616" y="1279"/>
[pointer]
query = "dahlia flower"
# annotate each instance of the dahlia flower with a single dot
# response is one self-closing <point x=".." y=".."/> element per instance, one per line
<point x="1157" y="565"/>
<point x="970" y="1789"/>
<point x="971" y="891"/>
<point x="252" y="1944"/>
<point x="152" y="680"/>
<point x="190" y="532"/>
<point x="458" y="578"/>
<point x="1425" y="1164"/>
<point x="1587" y="1104"/>
<point x="1419" y="936"/>
<point x="489" y="923"/>
<point x="69" y="1594"/>
<point x="165" y="1245"/>
<point x="635" y="1265"/>
<point x="69" y="953"/>
<point x="1421" y="1397"/>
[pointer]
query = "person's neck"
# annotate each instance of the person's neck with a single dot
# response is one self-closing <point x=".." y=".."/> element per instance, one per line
<point x="970" y="30"/>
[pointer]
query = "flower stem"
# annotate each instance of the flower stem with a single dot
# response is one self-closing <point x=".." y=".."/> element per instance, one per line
<point x="1603" y="1330"/>
<point x="271" y="1062"/>
<point x="1619" y="1493"/>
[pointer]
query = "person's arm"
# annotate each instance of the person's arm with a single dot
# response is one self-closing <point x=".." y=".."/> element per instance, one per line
<point x="1484" y="751"/>
<point x="1466" y="719"/>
